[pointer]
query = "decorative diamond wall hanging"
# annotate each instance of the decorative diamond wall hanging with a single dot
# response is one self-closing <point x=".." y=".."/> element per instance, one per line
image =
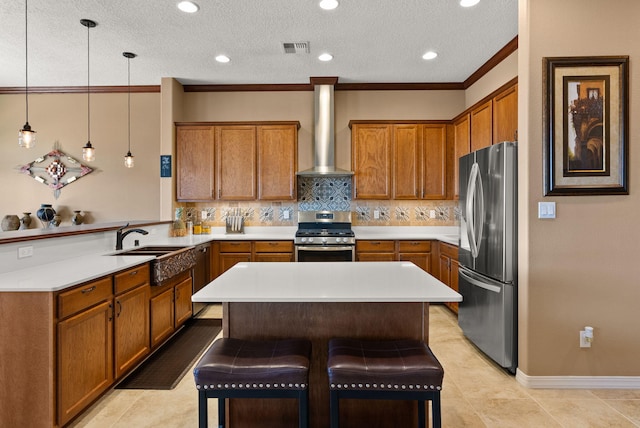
<point x="55" y="169"/>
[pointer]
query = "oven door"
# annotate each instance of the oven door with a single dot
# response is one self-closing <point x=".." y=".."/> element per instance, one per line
<point x="328" y="253"/>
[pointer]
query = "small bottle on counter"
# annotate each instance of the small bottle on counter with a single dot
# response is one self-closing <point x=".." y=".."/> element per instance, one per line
<point x="189" y="227"/>
<point x="197" y="228"/>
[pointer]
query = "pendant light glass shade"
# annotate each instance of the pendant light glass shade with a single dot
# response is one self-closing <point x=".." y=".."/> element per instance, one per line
<point x="26" y="135"/>
<point x="128" y="159"/>
<point x="88" y="152"/>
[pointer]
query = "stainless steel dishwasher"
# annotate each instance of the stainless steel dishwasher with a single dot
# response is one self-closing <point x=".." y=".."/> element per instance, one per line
<point x="201" y="272"/>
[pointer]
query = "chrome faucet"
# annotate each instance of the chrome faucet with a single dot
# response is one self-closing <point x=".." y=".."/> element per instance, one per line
<point x="120" y="235"/>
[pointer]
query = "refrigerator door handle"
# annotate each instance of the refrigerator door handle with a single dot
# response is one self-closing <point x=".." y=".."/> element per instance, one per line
<point x="477" y="283"/>
<point x="475" y="180"/>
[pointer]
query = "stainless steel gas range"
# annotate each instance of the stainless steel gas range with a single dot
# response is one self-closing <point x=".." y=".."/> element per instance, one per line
<point x="324" y="236"/>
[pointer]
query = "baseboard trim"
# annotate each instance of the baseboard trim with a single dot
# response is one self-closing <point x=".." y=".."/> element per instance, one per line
<point x="578" y="382"/>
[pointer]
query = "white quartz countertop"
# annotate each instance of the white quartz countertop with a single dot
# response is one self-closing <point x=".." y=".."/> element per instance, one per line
<point x="92" y="265"/>
<point x="67" y="273"/>
<point x="326" y="282"/>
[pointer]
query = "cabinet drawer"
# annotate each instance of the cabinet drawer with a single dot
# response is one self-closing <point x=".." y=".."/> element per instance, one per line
<point x="449" y="250"/>
<point x="414" y="246"/>
<point x="375" y="246"/>
<point x="273" y="246"/>
<point x="80" y="298"/>
<point x="131" y="278"/>
<point x="235" y="247"/>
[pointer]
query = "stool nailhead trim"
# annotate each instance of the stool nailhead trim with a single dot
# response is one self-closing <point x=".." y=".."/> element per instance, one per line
<point x="254" y="385"/>
<point x="353" y="386"/>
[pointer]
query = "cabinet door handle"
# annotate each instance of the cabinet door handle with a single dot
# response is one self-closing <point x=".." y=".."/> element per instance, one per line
<point x="88" y="290"/>
<point x="135" y="272"/>
<point x="110" y="312"/>
<point x="375" y="243"/>
<point x="119" y="308"/>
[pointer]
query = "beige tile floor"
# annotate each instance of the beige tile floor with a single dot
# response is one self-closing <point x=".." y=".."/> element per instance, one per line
<point x="476" y="393"/>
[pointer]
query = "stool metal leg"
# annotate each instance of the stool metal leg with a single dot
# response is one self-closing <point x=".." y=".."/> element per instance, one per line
<point x="202" y="409"/>
<point x="303" y="409"/>
<point x="421" y="412"/>
<point x="436" y="411"/>
<point x="334" y="409"/>
<point x="221" y="412"/>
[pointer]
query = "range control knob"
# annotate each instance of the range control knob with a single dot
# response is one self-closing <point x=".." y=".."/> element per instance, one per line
<point x="303" y="240"/>
<point x="310" y="239"/>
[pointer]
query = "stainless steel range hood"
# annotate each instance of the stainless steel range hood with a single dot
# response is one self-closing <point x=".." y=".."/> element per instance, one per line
<point x="324" y="156"/>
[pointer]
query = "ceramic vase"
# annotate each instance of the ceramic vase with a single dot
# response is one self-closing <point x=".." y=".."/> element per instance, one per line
<point x="57" y="219"/>
<point x="77" y="218"/>
<point x="25" y="221"/>
<point x="46" y="213"/>
<point x="10" y="222"/>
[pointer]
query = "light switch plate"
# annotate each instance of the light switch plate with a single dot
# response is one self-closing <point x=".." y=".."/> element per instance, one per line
<point x="546" y="210"/>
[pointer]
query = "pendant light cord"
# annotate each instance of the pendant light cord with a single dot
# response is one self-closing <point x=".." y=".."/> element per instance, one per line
<point x="26" y="60"/>
<point x="129" y="99"/>
<point x="88" y="89"/>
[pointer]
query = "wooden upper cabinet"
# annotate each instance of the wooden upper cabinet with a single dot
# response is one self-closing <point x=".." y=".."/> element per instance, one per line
<point x="505" y="115"/>
<point x="195" y="160"/>
<point x="462" y="146"/>
<point x="236" y="162"/>
<point x="371" y="161"/>
<point x="406" y="142"/>
<point x="277" y="162"/>
<point x="434" y="155"/>
<point x="481" y="126"/>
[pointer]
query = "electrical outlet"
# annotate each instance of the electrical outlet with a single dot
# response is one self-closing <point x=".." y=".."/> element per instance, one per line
<point x="432" y="213"/>
<point x="285" y="214"/>
<point x="376" y="214"/>
<point x="584" y="342"/>
<point x="25" y="252"/>
<point x="546" y="210"/>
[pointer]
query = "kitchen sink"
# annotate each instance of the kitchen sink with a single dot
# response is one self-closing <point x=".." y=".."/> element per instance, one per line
<point x="169" y="261"/>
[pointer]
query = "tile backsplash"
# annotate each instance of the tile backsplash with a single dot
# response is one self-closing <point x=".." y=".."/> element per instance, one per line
<point x="328" y="193"/>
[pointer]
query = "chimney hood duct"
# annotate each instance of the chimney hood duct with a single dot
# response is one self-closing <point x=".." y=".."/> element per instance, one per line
<point x="324" y="135"/>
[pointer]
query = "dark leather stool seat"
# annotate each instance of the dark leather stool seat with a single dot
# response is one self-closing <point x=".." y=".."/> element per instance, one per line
<point x="384" y="370"/>
<point x="235" y="368"/>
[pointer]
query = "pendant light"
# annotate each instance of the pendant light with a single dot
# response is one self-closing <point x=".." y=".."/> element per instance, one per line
<point x="26" y="136"/>
<point x="128" y="159"/>
<point x="88" y="152"/>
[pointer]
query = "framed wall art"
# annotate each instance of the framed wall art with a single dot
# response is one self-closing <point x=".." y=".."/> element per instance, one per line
<point x="586" y="104"/>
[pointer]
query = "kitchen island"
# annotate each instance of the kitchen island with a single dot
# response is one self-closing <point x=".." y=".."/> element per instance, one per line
<point x="319" y="301"/>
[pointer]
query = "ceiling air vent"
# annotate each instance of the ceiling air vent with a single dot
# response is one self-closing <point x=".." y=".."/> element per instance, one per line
<point x="296" y="47"/>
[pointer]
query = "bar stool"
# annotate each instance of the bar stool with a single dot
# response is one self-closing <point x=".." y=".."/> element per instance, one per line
<point x="236" y="368"/>
<point x="384" y="370"/>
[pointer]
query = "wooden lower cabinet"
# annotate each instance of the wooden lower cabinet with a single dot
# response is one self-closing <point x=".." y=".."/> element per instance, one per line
<point x="415" y="251"/>
<point x="273" y="251"/>
<point x="85" y="359"/>
<point x="448" y="272"/>
<point x="170" y="307"/>
<point x="225" y="254"/>
<point x="418" y="252"/>
<point x="375" y="251"/>
<point x="162" y="315"/>
<point x="182" y="302"/>
<point x="131" y="319"/>
<point x="102" y="333"/>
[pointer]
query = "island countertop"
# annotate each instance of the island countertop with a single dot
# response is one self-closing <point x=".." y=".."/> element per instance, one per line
<point x="326" y="282"/>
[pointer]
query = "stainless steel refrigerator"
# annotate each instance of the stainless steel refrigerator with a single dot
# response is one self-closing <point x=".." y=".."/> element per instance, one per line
<point x="488" y="251"/>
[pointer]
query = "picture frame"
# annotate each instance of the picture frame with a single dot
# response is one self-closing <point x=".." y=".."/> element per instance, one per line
<point x="585" y="116"/>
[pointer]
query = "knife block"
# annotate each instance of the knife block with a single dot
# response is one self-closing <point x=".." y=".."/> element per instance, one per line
<point x="234" y="224"/>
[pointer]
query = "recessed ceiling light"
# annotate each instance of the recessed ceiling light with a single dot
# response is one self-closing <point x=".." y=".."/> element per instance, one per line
<point x="430" y="55"/>
<point x="469" y="3"/>
<point x="188" y="7"/>
<point x="325" y="57"/>
<point x="329" y="4"/>
<point x="222" y="58"/>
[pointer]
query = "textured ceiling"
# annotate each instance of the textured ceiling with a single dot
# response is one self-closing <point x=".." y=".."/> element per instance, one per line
<point x="372" y="41"/>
